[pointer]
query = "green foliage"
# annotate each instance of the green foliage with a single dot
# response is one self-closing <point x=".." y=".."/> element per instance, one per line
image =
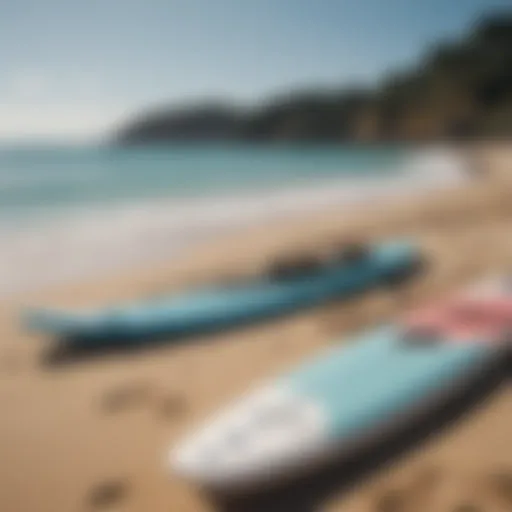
<point x="461" y="88"/>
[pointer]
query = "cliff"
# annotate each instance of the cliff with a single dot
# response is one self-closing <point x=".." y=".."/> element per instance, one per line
<point x="204" y="122"/>
<point x="459" y="89"/>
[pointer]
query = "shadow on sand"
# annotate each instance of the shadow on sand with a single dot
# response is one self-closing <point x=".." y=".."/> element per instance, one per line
<point x="308" y="493"/>
<point x="68" y="351"/>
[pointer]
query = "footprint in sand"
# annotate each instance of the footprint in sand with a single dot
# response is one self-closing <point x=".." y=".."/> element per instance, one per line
<point x="409" y="495"/>
<point x="501" y="485"/>
<point x="125" y="396"/>
<point x="171" y="405"/>
<point x="107" y="495"/>
<point x="167" y="404"/>
<point x="447" y="491"/>
<point x="392" y="501"/>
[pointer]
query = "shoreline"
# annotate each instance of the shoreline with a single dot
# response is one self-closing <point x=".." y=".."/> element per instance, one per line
<point x="66" y="440"/>
<point x="95" y="243"/>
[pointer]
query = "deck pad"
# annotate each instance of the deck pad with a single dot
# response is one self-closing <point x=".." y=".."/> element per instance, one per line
<point x="479" y="314"/>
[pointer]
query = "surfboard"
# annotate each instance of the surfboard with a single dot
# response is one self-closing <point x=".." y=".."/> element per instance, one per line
<point x="342" y="400"/>
<point x="284" y="290"/>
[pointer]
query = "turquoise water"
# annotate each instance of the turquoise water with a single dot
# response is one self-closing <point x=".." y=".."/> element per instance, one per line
<point x="67" y="212"/>
<point x="36" y="179"/>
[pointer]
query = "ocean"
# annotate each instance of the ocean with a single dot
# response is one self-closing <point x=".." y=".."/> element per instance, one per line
<point x="69" y="211"/>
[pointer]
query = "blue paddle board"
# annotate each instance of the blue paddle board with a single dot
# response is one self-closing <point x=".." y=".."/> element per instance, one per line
<point x="218" y="307"/>
<point x="330" y="406"/>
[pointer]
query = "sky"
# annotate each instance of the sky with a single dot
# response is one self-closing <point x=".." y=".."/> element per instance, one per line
<point x="75" y="68"/>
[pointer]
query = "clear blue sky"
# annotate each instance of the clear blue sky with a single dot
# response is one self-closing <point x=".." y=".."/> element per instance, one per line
<point x="74" y="66"/>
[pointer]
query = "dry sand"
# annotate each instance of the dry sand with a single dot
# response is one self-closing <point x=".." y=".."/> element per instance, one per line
<point x="92" y="434"/>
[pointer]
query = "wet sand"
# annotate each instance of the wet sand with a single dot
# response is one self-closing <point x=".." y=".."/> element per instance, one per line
<point x="91" y="433"/>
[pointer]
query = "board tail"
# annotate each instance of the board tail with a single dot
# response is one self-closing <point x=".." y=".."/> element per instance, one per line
<point x="46" y="321"/>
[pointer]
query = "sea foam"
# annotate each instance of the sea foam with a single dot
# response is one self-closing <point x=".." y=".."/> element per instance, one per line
<point x="89" y="241"/>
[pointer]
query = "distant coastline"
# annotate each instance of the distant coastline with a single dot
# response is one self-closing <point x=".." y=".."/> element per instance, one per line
<point x="460" y="90"/>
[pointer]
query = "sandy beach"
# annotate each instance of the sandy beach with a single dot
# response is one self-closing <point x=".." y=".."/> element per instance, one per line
<point x="93" y="433"/>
